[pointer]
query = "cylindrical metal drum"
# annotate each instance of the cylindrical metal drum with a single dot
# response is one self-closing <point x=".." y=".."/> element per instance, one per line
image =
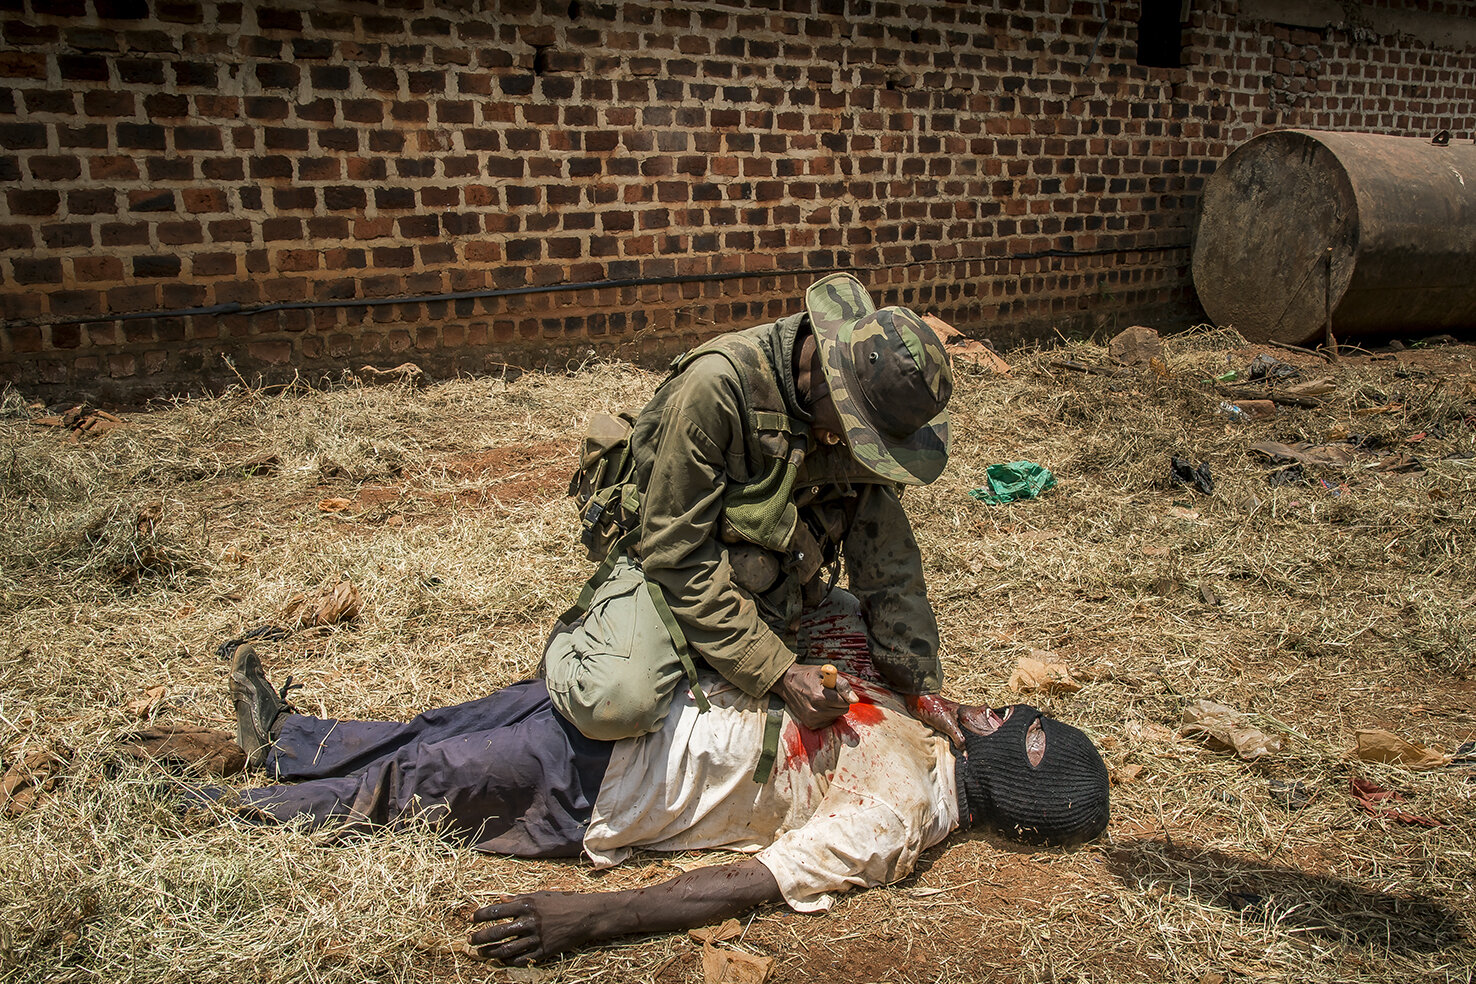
<point x="1378" y="230"/>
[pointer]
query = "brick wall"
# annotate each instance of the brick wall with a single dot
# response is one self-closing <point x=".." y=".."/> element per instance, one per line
<point x="1012" y="168"/>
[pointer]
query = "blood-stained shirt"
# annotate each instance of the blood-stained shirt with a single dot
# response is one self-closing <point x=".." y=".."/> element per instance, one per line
<point x="853" y="804"/>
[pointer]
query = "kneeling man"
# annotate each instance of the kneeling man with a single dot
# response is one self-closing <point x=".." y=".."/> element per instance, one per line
<point x="850" y="805"/>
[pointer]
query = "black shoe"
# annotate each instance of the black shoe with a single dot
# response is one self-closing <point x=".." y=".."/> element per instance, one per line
<point x="259" y="708"/>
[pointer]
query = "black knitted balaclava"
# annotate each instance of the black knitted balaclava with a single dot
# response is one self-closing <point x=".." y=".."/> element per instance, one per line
<point x="1064" y="799"/>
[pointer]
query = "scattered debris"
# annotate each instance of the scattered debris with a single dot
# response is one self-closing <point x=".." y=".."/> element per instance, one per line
<point x="1372" y="799"/>
<point x="145" y="706"/>
<point x="407" y="373"/>
<point x="723" y="966"/>
<point x="1256" y="409"/>
<point x="1321" y="455"/>
<point x="1290" y="475"/>
<point x="1136" y="346"/>
<point x="1014" y="481"/>
<point x="1378" y="745"/>
<point x="1289" y="795"/>
<point x="329" y="605"/>
<point x="1265" y="367"/>
<point x="187" y="748"/>
<point x="1226" y="729"/>
<point x="31" y="781"/>
<point x="1231" y="410"/>
<point x="1183" y="472"/>
<point x="1311" y="388"/>
<point x="961" y="348"/>
<point x="1035" y="674"/>
<point x="81" y="422"/>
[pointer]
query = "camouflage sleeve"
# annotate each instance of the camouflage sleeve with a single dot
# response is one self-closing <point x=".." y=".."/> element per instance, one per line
<point x="884" y="568"/>
<point x="699" y="445"/>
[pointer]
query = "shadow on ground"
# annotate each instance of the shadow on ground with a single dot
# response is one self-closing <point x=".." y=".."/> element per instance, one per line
<point x="1311" y="905"/>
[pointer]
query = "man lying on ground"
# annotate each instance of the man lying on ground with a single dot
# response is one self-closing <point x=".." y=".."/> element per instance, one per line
<point x="852" y="804"/>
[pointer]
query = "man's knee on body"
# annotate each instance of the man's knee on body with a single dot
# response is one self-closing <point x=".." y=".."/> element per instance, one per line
<point x="612" y="708"/>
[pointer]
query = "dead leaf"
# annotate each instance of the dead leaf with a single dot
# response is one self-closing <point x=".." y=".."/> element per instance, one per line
<point x="1033" y="674"/>
<point x="1155" y="550"/>
<point x="961" y="348"/>
<point x="144" y="707"/>
<point x="1123" y="775"/>
<point x="1324" y="455"/>
<point x="1312" y="387"/>
<point x="29" y="782"/>
<point x="1179" y="512"/>
<point x="148" y="518"/>
<point x="334" y="505"/>
<point x="1227" y="729"/>
<point x="1373" y="799"/>
<point x="327" y="606"/>
<point x="734" y="966"/>
<point x="728" y="929"/>
<point x="407" y="372"/>
<point x="1378" y="745"/>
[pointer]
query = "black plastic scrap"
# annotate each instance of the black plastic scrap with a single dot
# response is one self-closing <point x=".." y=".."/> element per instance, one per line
<point x="1272" y="370"/>
<point x="1183" y="472"/>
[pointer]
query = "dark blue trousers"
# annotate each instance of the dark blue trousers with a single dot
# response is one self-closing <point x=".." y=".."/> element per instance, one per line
<point x="505" y="772"/>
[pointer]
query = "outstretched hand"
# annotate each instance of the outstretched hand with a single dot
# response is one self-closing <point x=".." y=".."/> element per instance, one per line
<point x="812" y="704"/>
<point x="940" y="714"/>
<point x="534" y="927"/>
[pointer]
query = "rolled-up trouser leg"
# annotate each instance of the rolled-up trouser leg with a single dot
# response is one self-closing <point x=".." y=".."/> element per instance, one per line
<point x="613" y="673"/>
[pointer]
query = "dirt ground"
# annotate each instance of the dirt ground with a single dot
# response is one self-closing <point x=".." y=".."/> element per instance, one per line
<point x="1319" y="601"/>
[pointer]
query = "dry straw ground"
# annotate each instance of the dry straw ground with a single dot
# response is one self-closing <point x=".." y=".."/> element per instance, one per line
<point x="128" y="556"/>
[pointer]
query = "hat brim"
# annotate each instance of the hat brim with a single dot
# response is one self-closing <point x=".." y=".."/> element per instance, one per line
<point x="837" y="304"/>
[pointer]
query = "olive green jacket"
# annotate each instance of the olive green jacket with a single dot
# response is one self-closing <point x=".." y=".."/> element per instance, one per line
<point x="689" y="446"/>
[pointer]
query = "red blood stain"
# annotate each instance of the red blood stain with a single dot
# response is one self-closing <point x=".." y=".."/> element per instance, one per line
<point x="801" y="743"/>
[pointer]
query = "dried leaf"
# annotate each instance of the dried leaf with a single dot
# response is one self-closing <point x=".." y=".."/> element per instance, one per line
<point x="27" y="782"/>
<point x="1032" y="674"/>
<point x="145" y="706"/>
<point x="1374" y="800"/>
<point x="1312" y="387"/>
<point x="734" y="966"/>
<point x="327" y="606"/>
<point x="334" y="505"/>
<point x="1378" y="745"/>
<point x="1123" y="775"/>
<point x="1227" y="729"/>
<point x="728" y="929"/>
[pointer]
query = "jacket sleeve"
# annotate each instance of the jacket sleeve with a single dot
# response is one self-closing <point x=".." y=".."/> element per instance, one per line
<point x="699" y="447"/>
<point x="884" y="568"/>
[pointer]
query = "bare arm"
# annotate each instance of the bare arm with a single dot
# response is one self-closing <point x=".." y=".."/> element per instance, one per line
<point x="540" y="925"/>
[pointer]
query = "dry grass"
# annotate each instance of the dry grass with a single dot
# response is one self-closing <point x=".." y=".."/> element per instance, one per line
<point x="1337" y="612"/>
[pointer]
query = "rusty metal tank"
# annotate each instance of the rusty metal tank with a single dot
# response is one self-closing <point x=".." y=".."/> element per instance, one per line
<point x="1379" y="230"/>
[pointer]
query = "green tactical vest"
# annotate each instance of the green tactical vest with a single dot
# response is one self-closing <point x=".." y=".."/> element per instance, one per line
<point x="760" y="511"/>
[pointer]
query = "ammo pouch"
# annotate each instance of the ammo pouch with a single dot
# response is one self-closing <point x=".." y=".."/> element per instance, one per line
<point x="608" y="501"/>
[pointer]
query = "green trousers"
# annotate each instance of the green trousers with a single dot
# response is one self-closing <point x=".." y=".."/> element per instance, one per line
<point x="612" y="674"/>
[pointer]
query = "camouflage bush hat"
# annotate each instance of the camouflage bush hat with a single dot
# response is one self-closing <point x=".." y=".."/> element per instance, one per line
<point x="889" y="377"/>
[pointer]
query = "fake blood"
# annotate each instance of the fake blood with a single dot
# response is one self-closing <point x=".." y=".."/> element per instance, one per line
<point x="801" y="743"/>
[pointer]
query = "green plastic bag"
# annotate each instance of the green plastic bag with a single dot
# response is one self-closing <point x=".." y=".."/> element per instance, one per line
<point x="1014" y="481"/>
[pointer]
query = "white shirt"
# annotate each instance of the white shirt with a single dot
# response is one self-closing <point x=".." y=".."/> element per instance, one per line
<point x="852" y="804"/>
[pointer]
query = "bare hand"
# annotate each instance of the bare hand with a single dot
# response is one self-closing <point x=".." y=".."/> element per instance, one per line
<point x="940" y="714"/>
<point x="810" y="702"/>
<point x="534" y="927"/>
